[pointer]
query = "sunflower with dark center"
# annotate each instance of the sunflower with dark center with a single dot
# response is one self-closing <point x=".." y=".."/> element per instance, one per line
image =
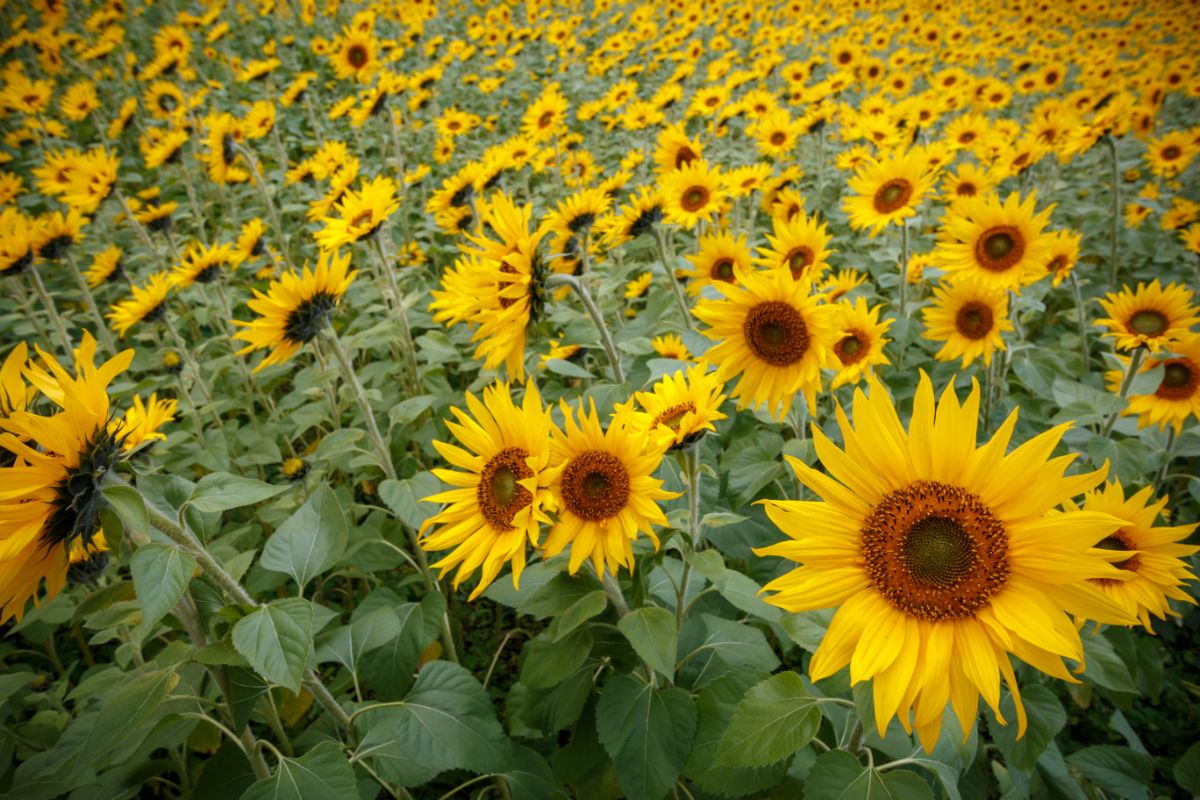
<point x="1000" y="244"/>
<point x="1151" y="316"/>
<point x="51" y="498"/>
<point x="201" y="264"/>
<point x="146" y="303"/>
<point x="501" y="493"/>
<point x="692" y="193"/>
<point x="937" y="554"/>
<point x="603" y="490"/>
<point x="860" y="341"/>
<point x="295" y="309"/>
<point x="798" y="244"/>
<point x="680" y="408"/>
<point x="770" y="330"/>
<point x="360" y="214"/>
<point x="887" y="191"/>
<point x="969" y="318"/>
<point x="1177" y="397"/>
<point x="722" y="257"/>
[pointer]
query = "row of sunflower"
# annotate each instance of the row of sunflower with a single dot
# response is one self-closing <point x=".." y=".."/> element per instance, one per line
<point x="767" y="383"/>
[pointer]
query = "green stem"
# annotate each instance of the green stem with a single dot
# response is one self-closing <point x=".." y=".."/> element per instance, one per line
<point x="1116" y="209"/>
<point x="1134" y="363"/>
<point x="668" y="261"/>
<point x="102" y="331"/>
<point x="903" y="267"/>
<point x="692" y="461"/>
<point x="593" y="311"/>
<point x="64" y="340"/>
<point x="1081" y="313"/>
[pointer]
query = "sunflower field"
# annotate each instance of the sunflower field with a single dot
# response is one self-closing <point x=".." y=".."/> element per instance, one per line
<point x="602" y="399"/>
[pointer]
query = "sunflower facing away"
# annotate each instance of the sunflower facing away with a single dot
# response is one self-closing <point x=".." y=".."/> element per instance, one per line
<point x="604" y="490"/>
<point x="1001" y="244"/>
<point x="969" y="318"/>
<point x="680" y="408"/>
<point x="501" y="486"/>
<point x="295" y="309"/>
<point x="770" y="330"/>
<point x="359" y="214"/>
<point x="50" y="496"/>
<point x="887" y="191"/>
<point x="940" y="558"/>
<point x="1153" y="316"/>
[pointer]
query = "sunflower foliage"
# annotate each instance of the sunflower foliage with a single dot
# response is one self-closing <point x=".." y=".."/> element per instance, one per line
<point x="599" y="400"/>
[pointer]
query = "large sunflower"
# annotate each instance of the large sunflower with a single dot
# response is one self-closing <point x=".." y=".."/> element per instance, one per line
<point x="501" y="489"/>
<point x="887" y="191"/>
<point x="770" y="330"/>
<point x="1154" y="555"/>
<point x="604" y="490"/>
<point x="1001" y="244"/>
<point x="799" y="244"/>
<point x="1153" y="316"/>
<point x="940" y="557"/>
<point x="360" y="214"/>
<point x="50" y="495"/>
<point x="1178" y="394"/>
<point x="295" y="309"/>
<point x="969" y="318"/>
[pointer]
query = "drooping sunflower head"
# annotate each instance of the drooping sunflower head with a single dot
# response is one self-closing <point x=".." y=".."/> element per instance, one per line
<point x="501" y="481"/>
<point x="1152" y="316"/>
<point x="295" y="309"/>
<point x="143" y="420"/>
<point x="1000" y="244"/>
<point x="360" y="214"/>
<point x="680" y="408"/>
<point x="969" y="318"/>
<point x="577" y="214"/>
<point x="105" y="265"/>
<point x="200" y="264"/>
<point x="250" y="242"/>
<point x="887" y="191"/>
<point x="146" y="303"/>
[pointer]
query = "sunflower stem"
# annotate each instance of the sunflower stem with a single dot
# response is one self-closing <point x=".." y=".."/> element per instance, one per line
<point x="64" y="340"/>
<point x="1116" y="208"/>
<point x="89" y="300"/>
<point x="1168" y="454"/>
<point x="667" y="259"/>
<point x="1134" y="362"/>
<point x="612" y="587"/>
<point x="262" y="188"/>
<point x="903" y="267"/>
<point x="692" y="464"/>
<point x="360" y="397"/>
<point x="593" y="310"/>
<point x="1081" y="313"/>
<point x="410" y="350"/>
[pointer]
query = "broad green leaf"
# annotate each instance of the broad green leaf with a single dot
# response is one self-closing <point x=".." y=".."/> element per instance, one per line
<point x="1117" y="770"/>
<point x="1046" y="718"/>
<point x="310" y="541"/>
<point x="322" y="772"/>
<point x="389" y="669"/>
<point x="161" y="573"/>
<point x="1104" y="667"/>
<point x="529" y="777"/>
<point x="651" y="631"/>
<point x="647" y="732"/>
<point x="221" y="491"/>
<point x="1187" y="770"/>
<point x="557" y="595"/>
<point x="347" y="644"/>
<point x="130" y="508"/>
<point x="715" y="706"/>
<point x="404" y="498"/>
<point x="566" y="368"/>
<point x="776" y="718"/>
<point x="837" y="775"/>
<point x="579" y="612"/>
<point x="547" y="662"/>
<point x="225" y="775"/>
<point x="277" y="640"/>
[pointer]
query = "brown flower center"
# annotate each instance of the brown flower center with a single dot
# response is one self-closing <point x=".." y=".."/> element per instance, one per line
<point x="1181" y="379"/>
<point x="999" y="248"/>
<point x="935" y="551"/>
<point x="893" y="195"/>
<point x="722" y="270"/>
<point x="674" y="415"/>
<point x="1170" y="153"/>
<point x="694" y="198"/>
<point x="965" y="189"/>
<point x="974" y="320"/>
<point x="778" y="138"/>
<point x="545" y="119"/>
<point x="799" y="259"/>
<point x="1119" y="542"/>
<point x="500" y="494"/>
<point x="776" y="333"/>
<point x="852" y="348"/>
<point x="595" y="485"/>
<point x="357" y="56"/>
<point x="684" y="156"/>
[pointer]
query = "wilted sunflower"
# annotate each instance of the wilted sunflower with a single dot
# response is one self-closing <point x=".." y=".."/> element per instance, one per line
<point x="604" y="491"/>
<point x="147" y="302"/>
<point x="968" y="317"/>
<point x="887" y="191"/>
<point x="679" y="409"/>
<point x="360" y="214"/>
<point x="798" y="245"/>
<point x="721" y="258"/>
<point x="692" y="193"/>
<point x="1153" y="316"/>
<point x="860" y="342"/>
<point x="1178" y="394"/>
<point x="940" y="558"/>
<point x="770" y="330"/>
<point x="295" y="309"/>
<point x="501" y="491"/>
<point x="51" y="498"/>
<point x="1000" y="244"/>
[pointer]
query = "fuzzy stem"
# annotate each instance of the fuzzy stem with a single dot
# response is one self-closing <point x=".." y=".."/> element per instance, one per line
<point x="55" y="319"/>
<point x="664" y="255"/>
<point x="1134" y="363"/>
<point x="1116" y="208"/>
<point x="89" y="300"/>
<point x="903" y="268"/>
<point x="593" y="311"/>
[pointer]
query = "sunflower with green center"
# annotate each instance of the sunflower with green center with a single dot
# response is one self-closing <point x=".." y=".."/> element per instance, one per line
<point x="1152" y="316"/>
<point x="1178" y="394"/>
<point x="772" y="332"/>
<point x="360" y="214"/>
<point x="798" y="244"/>
<point x="721" y="258"/>
<point x="1152" y="556"/>
<point x="295" y="308"/>
<point x="692" y="194"/>
<point x="940" y="557"/>
<point x="679" y="409"/>
<point x="146" y="303"/>
<point x="969" y="318"/>
<point x="887" y="191"/>
<point x="501" y="481"/>
<point x="860" y="341"/>
<point x="50" y="494"/>
<point x="604" y="490"/>
<point x="1000" y="244"/>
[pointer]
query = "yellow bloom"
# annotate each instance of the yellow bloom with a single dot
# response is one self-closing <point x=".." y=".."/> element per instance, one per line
<point x="1152" y="316"/>
<point x="968" y="317"/>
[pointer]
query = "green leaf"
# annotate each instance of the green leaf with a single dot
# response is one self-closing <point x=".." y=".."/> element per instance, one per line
<point x="389" y="669"/>
<point x="1104" y="667"/>
<point x="1116" y="770"/>
<point x="1187" y="770"/>
<point x="557" y="595"/>
<point x="322" y="772"/>
<point x="776" y="718"/>
<point x="837" y="775"/>
<point x="563" y="367"/>
<point x="647" y="732"/>
<point x="741" y="591"/>
<point x="404" y="498"/>
<point x="1046" y="719"/>
<point x="221" y="491"/>
<point x="277" y="640"/>
<point x="348" y="643"/>
<point x="310" y="541"/>
<point x="161" y="573"/>
<point x="548" y="662"/>
<point x="652" y="633"/>
<point x="529" y="777"/>
<point x="130" y="508"/>
<point x="579" y="612"/>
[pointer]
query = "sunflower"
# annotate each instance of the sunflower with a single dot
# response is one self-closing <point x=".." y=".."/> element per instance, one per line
<point x="1062" y="253"/>
<point x="637" y="287"/>
<point x="939" y="557"/>
<point x="1001" y="245"/>
<point x="643" y="211"/>
<point x="670" y="346"/>
<point x="967" y="181"/>
<point x="165" y="100"/>
<point x="692" y="193"/>
<point x="799" y="245"/>
<point x="675" y="150"/>
<point x="501" y="492"/>
<point x="146" y="303"/>
<point x="603" y="489"/>
<point x="1157" y="561"/>
<point x="887" y="191"/>
<point x="860" y="342"/>
<point x="249" y="243"/>
<point x="577" y="213"/>
<point x="1178" y="394"/>
<point x="295" y="309"/>
<point x="57" y="232"/>
<point x="840" y="283"/>
<point x="360" y="214"/>
<point x="51" y="498"/>
<point x="200" y="264"/>
<point x="143" y="419"/>
<point x="14" y="393"/>
<point x="679" y="409"/>
<point x="1171" y="153"/>
<point x="968" y="316"/>
<point x="545" y="116"/>
<point x="770" y="330"/>
<point x="721" y="258"/>
<point x="1152" y="316"/>
<point x="223" y="131"/>
<point x="164" y="149"/>
<point x="105" y="265"/>
<point x="356" y="55"/>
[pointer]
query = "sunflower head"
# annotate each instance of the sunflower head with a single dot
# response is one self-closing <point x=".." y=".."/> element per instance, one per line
<point x="1151" y="316"/>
